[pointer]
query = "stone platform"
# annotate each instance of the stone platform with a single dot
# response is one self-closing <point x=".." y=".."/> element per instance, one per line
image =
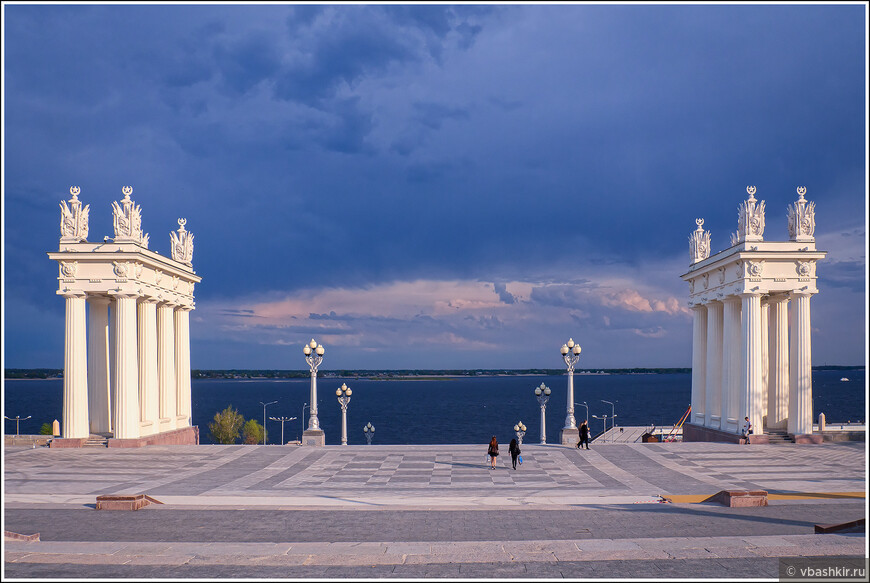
<point x="429" y="511"/>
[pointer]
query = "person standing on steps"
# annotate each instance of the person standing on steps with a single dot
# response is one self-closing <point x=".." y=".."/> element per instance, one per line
<point x="584" y="436"/>
<point x="747" y="429"/>
<point x="492" y="452"/>
<point x="514" y="450"/>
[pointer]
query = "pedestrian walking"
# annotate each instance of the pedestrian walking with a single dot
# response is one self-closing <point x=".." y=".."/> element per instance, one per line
<point x="492" y="452"/>
<point x="514" y="450"/>
<point x="747" y="429"/>
<point x="584" y="436"/>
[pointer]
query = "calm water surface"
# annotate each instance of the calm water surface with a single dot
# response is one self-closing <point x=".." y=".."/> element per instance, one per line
<point x="453" y="410"/>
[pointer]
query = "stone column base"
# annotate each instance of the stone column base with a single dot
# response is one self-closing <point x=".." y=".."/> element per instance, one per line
<point x="314" y="437"/>
<point x="808" y="438"/>
<point x="569" y="436"/>
<point x="67" y="442"/>
<point x="185" y="436"/>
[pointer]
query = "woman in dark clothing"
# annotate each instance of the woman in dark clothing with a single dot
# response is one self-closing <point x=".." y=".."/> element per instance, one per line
<point x="493" y="451"/>
<point x="584" y="436"/>
<point x="514" y="450"/>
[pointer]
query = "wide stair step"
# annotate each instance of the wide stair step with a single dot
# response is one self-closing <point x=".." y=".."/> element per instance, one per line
<point x="778" y="436"/>
<point x="97" y="441"/>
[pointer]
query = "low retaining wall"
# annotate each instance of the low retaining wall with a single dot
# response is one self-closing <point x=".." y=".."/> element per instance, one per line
<point x="26" y="440"/>
<point x="693" y="432"/>
<point x="844" y="435"/>
<point x="184" y="436"/>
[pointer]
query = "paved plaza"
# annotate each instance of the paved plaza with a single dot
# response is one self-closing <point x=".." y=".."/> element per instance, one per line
<point x="617" y="510"/>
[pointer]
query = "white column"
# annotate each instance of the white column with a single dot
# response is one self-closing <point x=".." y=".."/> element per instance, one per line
<point x="699" y="364"/>
<point x="713" y="382"/>
<point x="148" y="383"/>
<point x="777" y="380"/>
<point x="731" y="356"/>
<point x="800" y="394"/>
<point x="99" y="383"/>
<point x="126" y="406"/>
<point x="765" y="355"/>
<point x="570" y="421"/>
<point x="166" y="365"/>
<point x="750" y="404"/>
<point x="313" y="421"/>
<point x="75" y="368"/>
<point x="182" y="366"/>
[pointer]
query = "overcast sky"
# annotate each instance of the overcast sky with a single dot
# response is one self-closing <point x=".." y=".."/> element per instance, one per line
<point x="434" y="186"/>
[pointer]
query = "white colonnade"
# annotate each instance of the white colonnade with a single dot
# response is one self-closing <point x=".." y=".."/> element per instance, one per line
<point x="127" y="332"/>
<point x="751" y="324"/>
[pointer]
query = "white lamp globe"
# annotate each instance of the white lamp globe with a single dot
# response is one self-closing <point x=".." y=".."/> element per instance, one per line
<point x="312" y="344"/>
<point x="337" y="392"/>
<point x="516" y="427"/>
<point x="564" y="349"/>
<point x="547" y="390"/>
<point x="319" y="350"/>
<point x="570" y="343"/>
<point x="306" y="350"/>
<point x="576" y="349"/>
<point x="538" y="391"/>
<point x="349" y="392"/>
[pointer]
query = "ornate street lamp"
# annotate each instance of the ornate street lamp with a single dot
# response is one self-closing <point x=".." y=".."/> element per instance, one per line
<point x="612" y="413"/>
<point x="313" y="356"/>
<point x="282" y="420"/>
<point x="343" y="393"/>
<point x="521" y="431"/>
<point x="369" y="430"/>
<point x="570" y="354"/>
<point x="543" y="395"/>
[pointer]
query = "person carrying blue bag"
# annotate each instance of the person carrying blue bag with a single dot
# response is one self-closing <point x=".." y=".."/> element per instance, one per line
<point x="514" y="450"/>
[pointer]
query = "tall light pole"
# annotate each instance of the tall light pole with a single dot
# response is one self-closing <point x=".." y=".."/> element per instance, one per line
<point x="282" y="420"/>
<point x="521" y="431"/>
<point x="369" y="430"/>
<point x="313" y="356"/>
<point x="343" y="393"/>
<point x="264" y="417"/>
<point x="543" y="395"/>
<point x="302" y="419"/>
<point x="17" y="420"/>
<point x="570" y="354"/>
<point x="603" y="435"/>
<point x="612" y="412"/>
<point x="583" y="404"/>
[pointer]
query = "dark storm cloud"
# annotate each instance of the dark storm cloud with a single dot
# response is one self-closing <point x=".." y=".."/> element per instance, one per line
<point x="314" y="146"/>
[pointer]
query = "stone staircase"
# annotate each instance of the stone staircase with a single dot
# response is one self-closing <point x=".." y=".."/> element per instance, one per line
<point x="96" y="441"/>
<point x="778" y="436"/>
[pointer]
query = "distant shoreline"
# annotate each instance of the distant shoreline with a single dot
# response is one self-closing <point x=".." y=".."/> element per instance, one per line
<point x="387" y="375"/>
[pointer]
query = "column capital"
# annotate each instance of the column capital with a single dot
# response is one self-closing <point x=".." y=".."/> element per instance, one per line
<point x="802" y="292"/>
<point x="72" y="293"/>
<point x="165" y="303"/>
<point x="145" y="299"/>
<point x="183" y="308"/>
<point x="750" y="294"/>
<point x="734" y="298"/>
<point x="118" y="295"/>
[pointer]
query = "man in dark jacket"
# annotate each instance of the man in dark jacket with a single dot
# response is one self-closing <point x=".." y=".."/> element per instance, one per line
<point x="584" y="436"/>
<point x="514" y="450"/>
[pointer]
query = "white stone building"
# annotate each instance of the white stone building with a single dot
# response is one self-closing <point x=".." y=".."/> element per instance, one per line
<point x="127" y="333"/>
<point x="751" y="345"/>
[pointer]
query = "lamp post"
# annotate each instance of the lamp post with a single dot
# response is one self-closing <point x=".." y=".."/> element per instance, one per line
<point x="521" y="431"/>
<point x="543" y="395"/>
<point x="583" y="404"/>
<point x="264" y="417"/>
<point x="302" y="419"/>
<point x="603" y="435"/>
<point x="369" y="430"/>
<point x="17" y="420"/>
<point x="343" y="393"/>
<point x="313" y="356"/>
<point x="612" y="412"/>
<point x="570" y="354"/>
<point x="282" y="420"/>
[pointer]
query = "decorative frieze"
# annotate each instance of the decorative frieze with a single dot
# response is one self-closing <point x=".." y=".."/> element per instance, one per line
<point x="127" y="220"/>
<point x="699" y="243"/>
<point x="182" y="244"/>
<point x="750" y="219"/>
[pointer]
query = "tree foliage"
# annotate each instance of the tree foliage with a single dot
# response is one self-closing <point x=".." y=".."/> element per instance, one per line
<point x="226" y="425"/>
<point x="252" y="433"/>
<point x="45" y="429"/>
